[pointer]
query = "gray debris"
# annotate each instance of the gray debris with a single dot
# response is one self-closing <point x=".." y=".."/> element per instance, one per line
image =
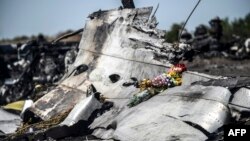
<point x="106" y="49"/>
<point x="83" y="110"/>
<point x="156" y="128"/>
<point x="190" y="77"/>
<point x="58" y="101"/>
<point x="128" y="4"/>
<point x="118" y="45"/>
<point x="228" y="83"/>
<point x="9" y="122"/>
<point x="240" y="103"/>
<point x="162" y="116"/>
<point x="242" y="98"/>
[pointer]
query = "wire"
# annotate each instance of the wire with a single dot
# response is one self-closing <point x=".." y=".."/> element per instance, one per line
<point x="188" y="19"/>
<point x="97" y="53"/>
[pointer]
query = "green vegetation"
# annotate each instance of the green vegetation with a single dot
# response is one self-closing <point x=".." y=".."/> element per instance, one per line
<point x="25" y="39"/>
<point x="20" y="39"/>
<point x="240" y="27"/>
<point x="172" y="35"/>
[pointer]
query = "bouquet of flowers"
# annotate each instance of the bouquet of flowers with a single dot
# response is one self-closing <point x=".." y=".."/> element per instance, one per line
<point x="149" y="88"/>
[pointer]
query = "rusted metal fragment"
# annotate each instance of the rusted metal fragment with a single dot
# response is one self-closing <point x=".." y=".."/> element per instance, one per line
<point x="60" y="100"/>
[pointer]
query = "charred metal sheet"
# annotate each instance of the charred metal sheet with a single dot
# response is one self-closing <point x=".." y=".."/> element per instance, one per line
<point x="218" y="94"/>
<point x="154" y="127"/>
<point x="106" y="48"/>
<point x="128" y="4"/>
<point x="109" y="39"/>
<point x="204" y="106"/>
<point x="9" y="122"/>
<point x="60" y="100"/>
<point x="230" y="83"/>
<point x="120" y="43"/>
<point x="105" y="120"/>
<point x="199" y="110"/>
<point x="140" y="127"/>
<point x="83" y="110"/>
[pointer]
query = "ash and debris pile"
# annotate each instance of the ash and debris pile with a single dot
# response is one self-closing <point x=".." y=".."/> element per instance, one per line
<point x="28" y="68"/>
<point x="123" y="82"/>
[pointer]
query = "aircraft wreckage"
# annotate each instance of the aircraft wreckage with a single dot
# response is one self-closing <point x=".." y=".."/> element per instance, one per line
<point x="118" y="46"/>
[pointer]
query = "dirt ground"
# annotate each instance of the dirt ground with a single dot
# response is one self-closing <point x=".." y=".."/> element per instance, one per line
<point x="220" y="66"/>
